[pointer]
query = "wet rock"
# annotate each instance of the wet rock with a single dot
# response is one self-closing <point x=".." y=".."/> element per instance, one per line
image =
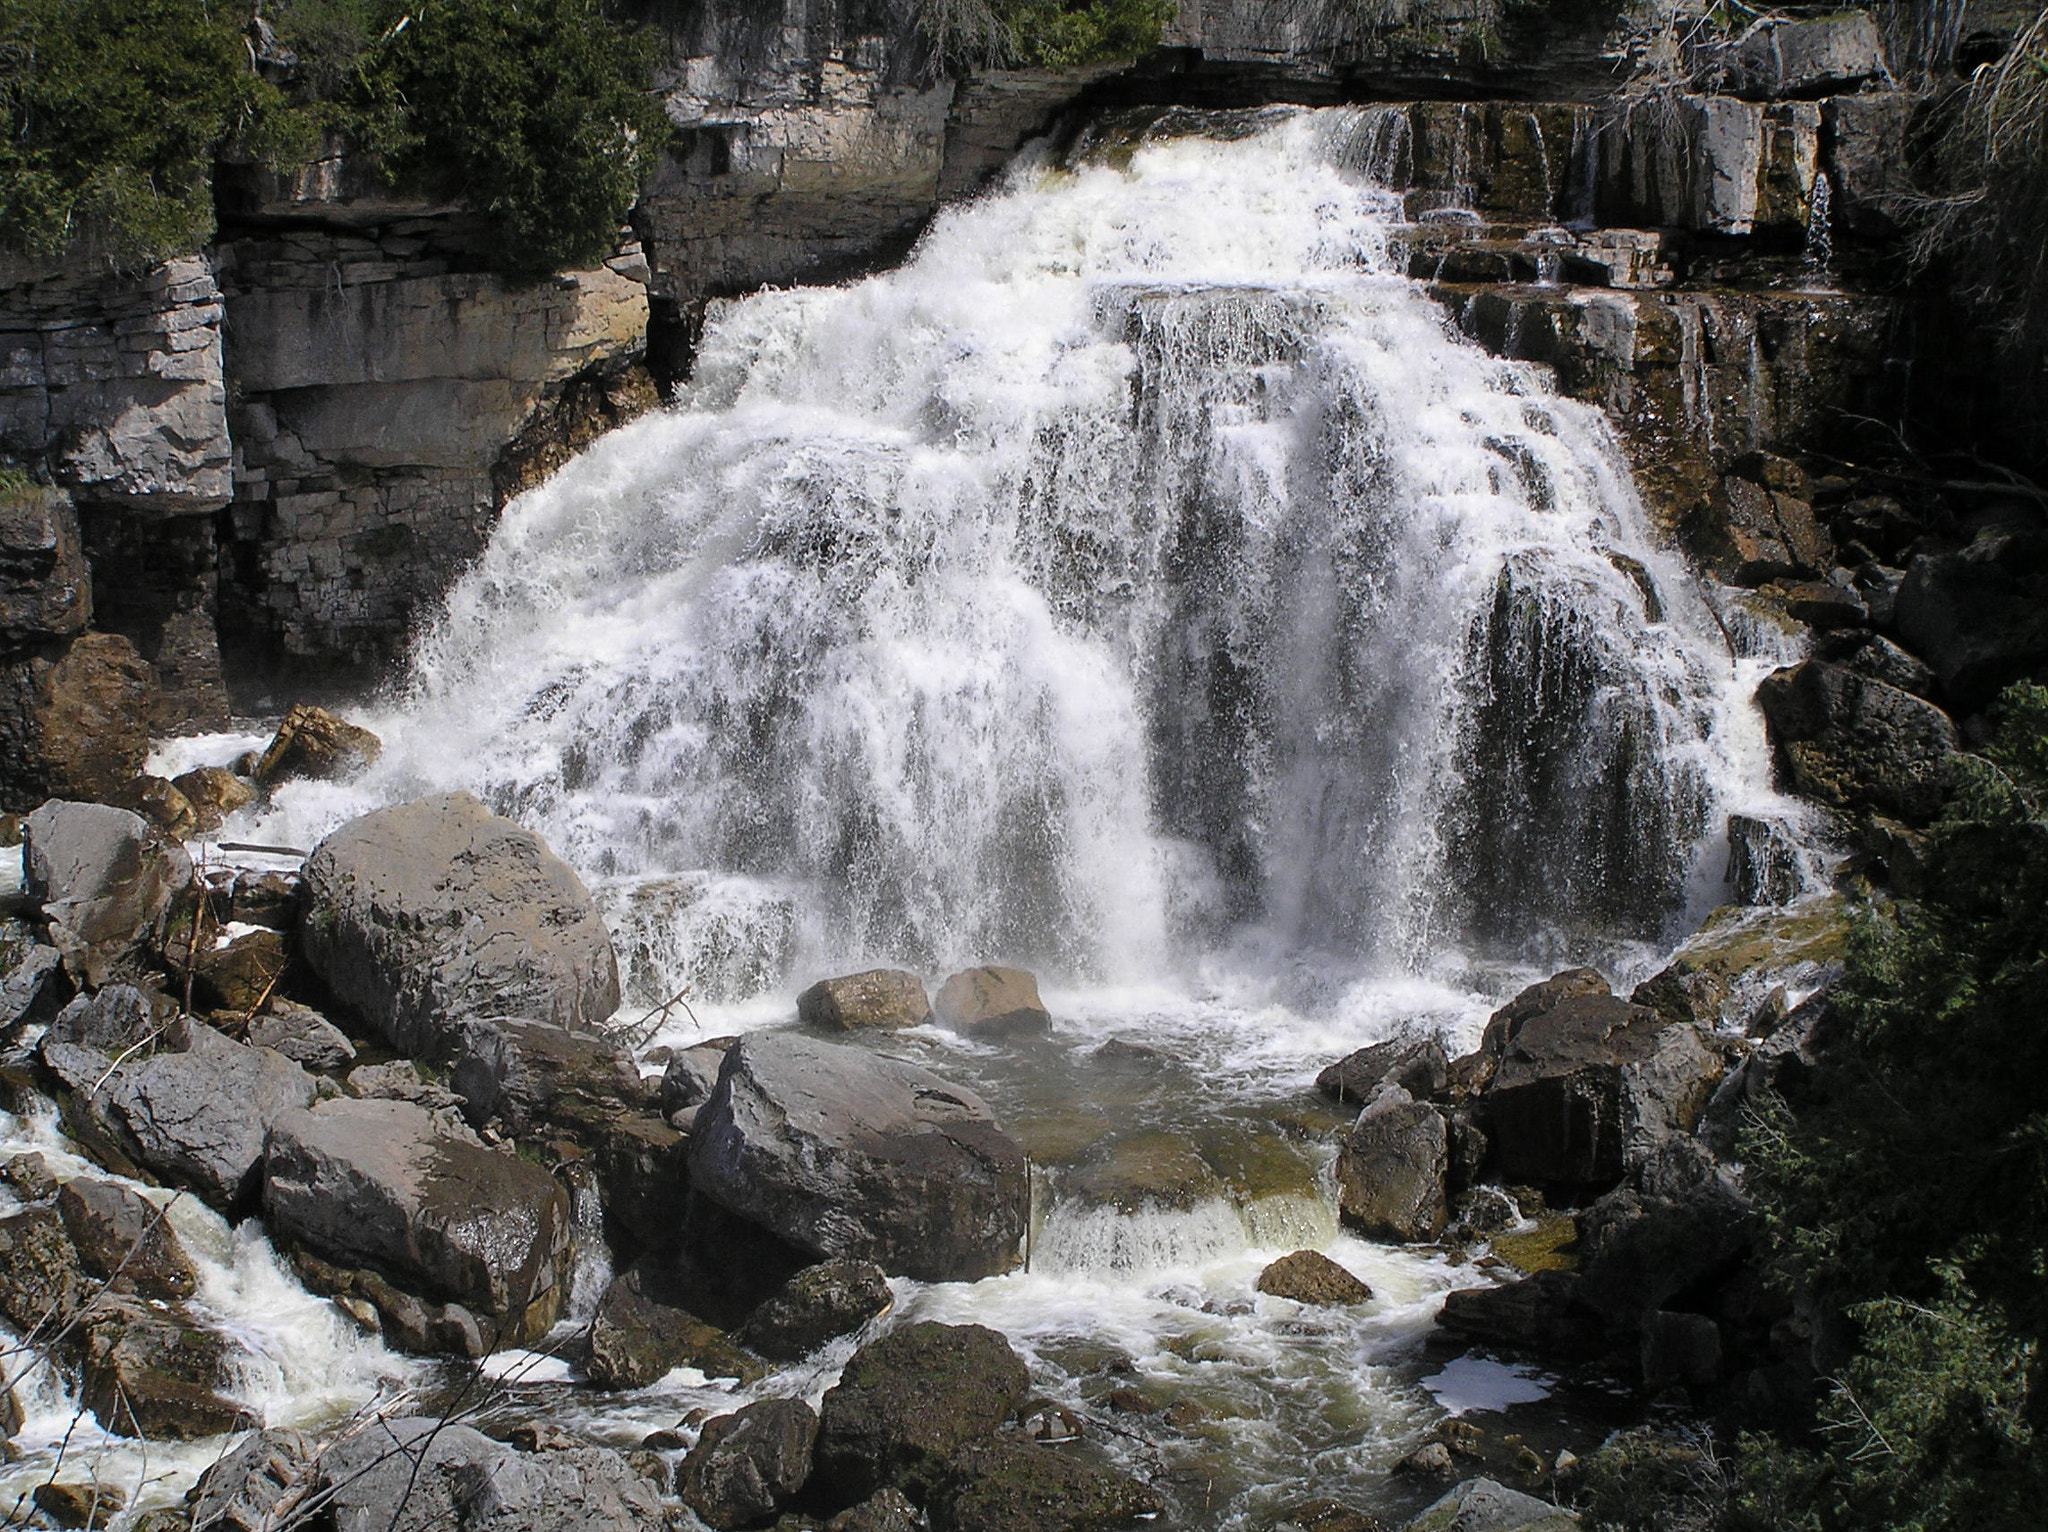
<point x="239" y="972"/>
<point x="881" y="998"/>
<point x="34" y="990"/>
<point x="214" y="794"/>
<point x="314" y="743"/>
<point x="158" y="800"/>
<point x="1011" y="1486"/>
<point x="72" y="1503"/>
<point x="1393" y="1169"/>
<point x="1738" y="951"/>
<point x="818" y="1304"/>
<point x="1309" y="1276"/>
<point x="1542" y="1314"/>
<point x="1878" y="658"/>
<point x="1857" y="743"/>
<point x="1869" y="157"/>
<point x="105" y="881"/>
<point x="643" y="1175"/>
<point x="11" y="1416"/>
<point x="426" y="914"/>
<point x="749" y="1465"/>
<point x="125" y="1240"/>
<point x="149" y="1371"/>
<point x="692" y="1073"/>
<point x="1045" y="1421"/>
<point x="533" y="1076"/>
<point x="1417" y="1064"/>
<point x="42" y="1283"/>
<point x="74" y="720"/>
<point x="1481" y="1505"/>
<point x="425" y="1475"/>
<point x="642" y="1331"/>
<point x="304" y="1036"/>
<point x="1161" y="1170"/>
<point x="1979" y="615"/>
<point x="992" y="998"/>
<point x="28" y="1177"/>
<point x="385" y="1184"/>
<point x="1432" y="1460"/>
<point x="907" y="1401"/>
<point x="887" y="1510"/>
<point x="247" y="1490"/>
<point x="839" y="1152"/>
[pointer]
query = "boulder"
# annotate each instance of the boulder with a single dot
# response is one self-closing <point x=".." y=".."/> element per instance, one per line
<point x="1417" y="1064"/>
<point x="420" y="1474"/>
<point x="158" y="800"/>
<point x="42" y="1283"/>
<point x="818" y="1304"/>
<point x="643" y="1176"/>
<point x="239" y="972"/>
<point x="28" y="1177"/>
<point x="74" y="720"/>
<point x="1481" y="1505"/>
<point x="304" y="1036"/>
<point x="271" y="899"/>
<point x="991" y="998"/>
<point x="34" y="990"/>
<point x="839" y="1152"/>
<point x="72" y="1503"/>
<point x="886" y="1510"/>
<point x="1980" y="614"/>
<point x="1393" y="1171"/>
<point x="125" y="1240"/>
<point x="1012" y="1486"/>
<point x="214" y="794"/>
<point x="387" y="1185"/>
<point x="314" y="743"/>
<point x="1679" y="1222"/>
<point x="642" y="1331"/>
<point x="881" y="998"/>
<point x="255" y="1487"/>
<point x="1309" y="1276"/>
<point x="105" y="881"/>
<point x="1782" y="57"/>
<point x="426" y="914"/>
<point x="691" y="1074"/>
<point x="1878" y="658"/>
<point x="537" y="1077"/>
<point x="149" y="1371"/>
<point x="169" y="1094"/>
<point x="1855" y="743"/>
<point x="906" y="1402"/>
<point x="749" y="1465"/>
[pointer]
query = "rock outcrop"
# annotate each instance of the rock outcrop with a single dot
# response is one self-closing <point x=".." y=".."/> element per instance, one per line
<point x="840" y="1152"/>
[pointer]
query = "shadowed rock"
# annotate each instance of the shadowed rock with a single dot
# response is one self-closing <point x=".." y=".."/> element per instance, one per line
<point x="907" y="1402"/>
<point x="749" y="1465"/>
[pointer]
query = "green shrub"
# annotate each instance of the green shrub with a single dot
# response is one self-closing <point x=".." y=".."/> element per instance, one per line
<point x="115" y="110"/>
<point x="1040" y="34"/>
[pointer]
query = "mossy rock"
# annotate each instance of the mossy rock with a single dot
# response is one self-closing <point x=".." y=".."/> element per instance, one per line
<point x="1547" y="1247"/>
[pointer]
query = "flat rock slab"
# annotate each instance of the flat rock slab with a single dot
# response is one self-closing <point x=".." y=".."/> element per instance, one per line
<point x="389" y="1186"/>
<point x="840" y="1152"/>
<point x="428" y="913"/>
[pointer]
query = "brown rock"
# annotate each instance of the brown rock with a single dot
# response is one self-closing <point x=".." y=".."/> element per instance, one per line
<point x="885" y="998"/>
<point x="73" y="720"/>
<point x="641" y="1331"/>
<point x="241" y="973"/>
<point x="991" y="997"/>
<point x="125" y="1240"/>
<point x="161" y="803"/>
<point x="71" y="1504"/>
<point x="214" y="794"/>
<point x="1393" y="1173"/>
<point x="312" y="742"/>
<point x="1309" y="1276"/>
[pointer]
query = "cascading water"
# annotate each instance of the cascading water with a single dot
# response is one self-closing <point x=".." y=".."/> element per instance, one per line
<point x="1143" y="566"/>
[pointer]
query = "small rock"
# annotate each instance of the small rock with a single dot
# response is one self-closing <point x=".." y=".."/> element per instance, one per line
<point x="399" y="1080"/>
<point x="71" y="1504"/>
<point x="991" y="998"/>
<point x="34" y="991"/>
<point x="312" y="742"/>
<point x="1046" y="1421"/>
<point x="691" y="1073"/>
<point x="161" y="803"/>
<point x="887" y="1510"/>
<point x="303" y="1035"/>
<point x="213" y="794"/>
<point x="1432" y="1460"/>
<point x="240" y="972"/>
<point x="818" y="1304"/>
<point x="881" y="998"/>
<point x="749" y="1465"/>
<point x="28" y="1177"/>
<point x="1309" y="1276"/>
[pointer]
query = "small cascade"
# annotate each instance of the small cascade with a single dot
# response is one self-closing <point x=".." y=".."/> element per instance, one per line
<point x="1099" y="1239"/>
<point x="592" y="1271"/>
<point x="1583" y="182"/>
<point x="1543" y="162"/>
<point x="1817" y="261"/>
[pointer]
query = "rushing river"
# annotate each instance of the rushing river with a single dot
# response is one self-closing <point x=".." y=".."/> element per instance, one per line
<point x="1145" y="584"/>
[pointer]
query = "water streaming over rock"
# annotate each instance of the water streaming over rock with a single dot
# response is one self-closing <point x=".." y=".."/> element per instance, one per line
<point x="1143" y="564"/>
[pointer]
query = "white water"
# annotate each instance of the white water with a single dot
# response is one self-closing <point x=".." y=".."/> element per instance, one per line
<point x="1145" y="583"/>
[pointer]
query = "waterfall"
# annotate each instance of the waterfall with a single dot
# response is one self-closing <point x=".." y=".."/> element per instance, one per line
<point x="1144" y="564"/>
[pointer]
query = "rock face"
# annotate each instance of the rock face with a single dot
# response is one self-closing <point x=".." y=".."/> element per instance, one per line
<point x="74" y="719"/>
<point x="1977" y="613"/>
<point x="45" y="585"/>
<point x="1393" y="1171"/>
<point x="641" y="1331"/>
<point x="885" y="998"/>
<point x="818" y="1304"/>
<point x="385" y="1185"/>
<point x="1010" y="1486"/>
<point x="907" y="1402"/>
<point x="999" y="998"/>
<point x="749" y="1465"/>
<point x="1780" y="57"/>
<point x="105" y="881"/>
<point x="426" y="914"/>
<point x="1309" y="1276"/>
<point x="841" y="1153"/>
<point x="1858" y="743"/>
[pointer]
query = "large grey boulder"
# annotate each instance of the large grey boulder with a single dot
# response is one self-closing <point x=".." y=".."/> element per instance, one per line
<point x="171" y="1095"/>
<point x="839" y="1152"/>
<point x="1481" y="1505"/>
<point x="389" y="1186"/>
<point x="749" y="1465"/>
<point x="105" y="880"/>
<point x="1856" y="743"/>
<point x="423" y="915"/>
<point x="1393" y="1171"/>
<point x="424" y="1475"/>
<point x="905" y="1403"/>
